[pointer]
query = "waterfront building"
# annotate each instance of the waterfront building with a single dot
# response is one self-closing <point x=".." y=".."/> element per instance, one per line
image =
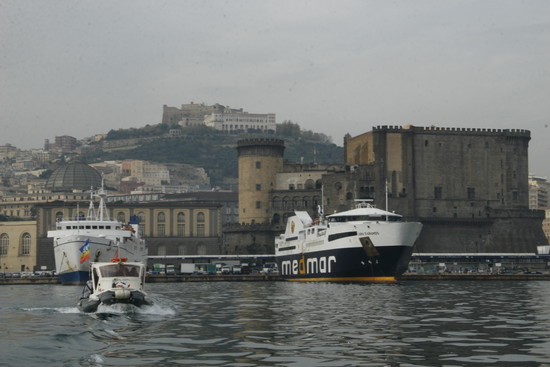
<point x="17" y="246"/>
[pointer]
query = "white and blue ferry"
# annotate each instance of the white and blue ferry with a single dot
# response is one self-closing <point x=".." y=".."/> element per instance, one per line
<point x="365" y="244"/>
<point x="95" y="238"/>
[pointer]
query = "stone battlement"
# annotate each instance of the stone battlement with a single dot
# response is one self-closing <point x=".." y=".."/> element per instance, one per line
<point x="459" y="130"/>
<point x="260" y="141"/>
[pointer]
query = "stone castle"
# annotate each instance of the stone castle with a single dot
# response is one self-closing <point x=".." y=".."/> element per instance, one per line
<point x="468" y="187"/>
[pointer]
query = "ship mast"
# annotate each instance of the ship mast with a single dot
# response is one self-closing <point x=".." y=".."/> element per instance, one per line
<point x="102" y="209"/>
<point x="91" y="208"/>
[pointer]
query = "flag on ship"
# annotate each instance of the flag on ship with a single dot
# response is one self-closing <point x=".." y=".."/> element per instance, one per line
<point x="85" y="251"/>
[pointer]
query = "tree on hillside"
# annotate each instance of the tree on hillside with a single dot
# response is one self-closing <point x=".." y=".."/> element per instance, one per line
<point x="288" y="128"/>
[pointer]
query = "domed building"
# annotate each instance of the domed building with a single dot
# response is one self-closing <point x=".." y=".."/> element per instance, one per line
<point x="74" y="176"/>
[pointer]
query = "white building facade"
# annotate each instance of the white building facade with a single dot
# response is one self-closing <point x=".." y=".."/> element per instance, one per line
<point x="241" y="121"/>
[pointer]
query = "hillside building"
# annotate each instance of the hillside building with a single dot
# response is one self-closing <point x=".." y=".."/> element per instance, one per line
<point x="235" y="122"/>
<point x="539" y="188"/>
<point x="192" y="114"/>
<point x="152" y="174"/>
<point x="219" y="117"/>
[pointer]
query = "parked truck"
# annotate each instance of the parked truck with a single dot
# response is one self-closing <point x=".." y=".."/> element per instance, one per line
<point x="187" y="268"/>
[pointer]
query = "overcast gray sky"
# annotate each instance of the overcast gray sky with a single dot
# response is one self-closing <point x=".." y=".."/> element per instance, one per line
<point x="84" y="67"/>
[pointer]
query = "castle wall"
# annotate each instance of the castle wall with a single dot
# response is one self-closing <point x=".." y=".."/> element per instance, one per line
<point x="468" y="186"/>
<point x="249" y="239"/>
<point x="504" y="235"/>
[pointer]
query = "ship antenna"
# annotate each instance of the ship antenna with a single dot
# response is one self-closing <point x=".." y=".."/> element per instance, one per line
<point x="321" y="207"/>
<point x="386" y="199"/>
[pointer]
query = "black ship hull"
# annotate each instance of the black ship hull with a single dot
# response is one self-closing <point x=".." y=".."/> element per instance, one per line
<point x="346" y="265"/>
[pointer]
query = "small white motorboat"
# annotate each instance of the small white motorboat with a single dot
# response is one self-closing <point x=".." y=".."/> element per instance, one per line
<point x="114" y="282"/>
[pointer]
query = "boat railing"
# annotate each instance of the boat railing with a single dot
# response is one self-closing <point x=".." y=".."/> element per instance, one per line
<point x="364" y="203"/>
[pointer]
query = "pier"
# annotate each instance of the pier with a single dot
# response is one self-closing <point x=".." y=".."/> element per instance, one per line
<point x="276" y="278"/>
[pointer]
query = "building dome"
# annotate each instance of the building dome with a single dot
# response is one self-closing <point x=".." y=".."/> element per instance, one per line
<point x="74" y="176"/>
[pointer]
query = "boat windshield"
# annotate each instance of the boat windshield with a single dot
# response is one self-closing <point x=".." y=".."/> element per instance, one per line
<point x="119" y="270"/>
<point x="364" y="218"/>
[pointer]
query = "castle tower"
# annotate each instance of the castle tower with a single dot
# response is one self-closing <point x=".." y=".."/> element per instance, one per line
<point x="259" y="162"/>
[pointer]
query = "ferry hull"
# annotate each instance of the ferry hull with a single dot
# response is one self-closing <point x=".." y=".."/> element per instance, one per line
<point x="74" y="277"/>
<point x="74" y="253"/>
<point x="346" y="265"/>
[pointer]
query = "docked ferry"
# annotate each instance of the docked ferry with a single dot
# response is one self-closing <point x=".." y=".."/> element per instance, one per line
<point x="365" y="244"/>
<point x="80" y="241"/>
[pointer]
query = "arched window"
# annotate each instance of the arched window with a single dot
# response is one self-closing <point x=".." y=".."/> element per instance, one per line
<point x="26" y="244"/>
<point x="310" y="184"/>
<point x="161" y="217"/>
<point x="349" y="196"/>
<point x="59" y="216"/>
<point x="4" y="244"/>
<point x="296" y="202"/>
<point x="181" y="217"/>
<point x="318" y="184"/>
<point x="121" y="217"/>
<point x="200" y="224"/>
<point x="141" y="217"/>
<point x="181" y="225"/>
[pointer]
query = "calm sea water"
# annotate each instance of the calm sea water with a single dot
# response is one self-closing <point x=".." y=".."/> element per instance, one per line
<point x="414" y="323"/>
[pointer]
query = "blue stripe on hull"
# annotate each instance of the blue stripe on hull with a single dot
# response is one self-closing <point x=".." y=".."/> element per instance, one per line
<point x="74" y="277"/>
<point x="350" y="263"/>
